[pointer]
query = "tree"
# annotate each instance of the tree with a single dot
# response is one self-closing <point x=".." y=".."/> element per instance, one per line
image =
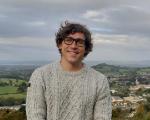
<point x="10" y="82"/>
<point x="140" y="113"/>
<point x="22" y="87"/>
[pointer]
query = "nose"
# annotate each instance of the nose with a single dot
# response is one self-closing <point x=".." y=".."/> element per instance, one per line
<point x="74" y="44"/>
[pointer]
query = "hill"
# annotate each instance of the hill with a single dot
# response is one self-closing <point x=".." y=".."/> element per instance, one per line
<point x="112" y="70"/>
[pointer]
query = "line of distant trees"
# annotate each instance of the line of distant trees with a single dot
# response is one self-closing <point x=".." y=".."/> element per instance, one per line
<point x="10" y="101"/>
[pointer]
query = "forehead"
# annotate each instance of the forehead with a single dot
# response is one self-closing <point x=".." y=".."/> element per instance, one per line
<point x="77" y="35"/>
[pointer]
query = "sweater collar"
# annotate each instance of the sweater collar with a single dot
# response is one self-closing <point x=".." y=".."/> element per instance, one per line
<point x="71" y="73"/>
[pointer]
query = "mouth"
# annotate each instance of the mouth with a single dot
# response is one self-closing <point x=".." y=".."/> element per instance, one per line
<point x="74" y="52"/>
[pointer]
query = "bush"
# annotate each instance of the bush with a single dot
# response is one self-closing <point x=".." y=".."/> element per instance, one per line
<point x="11" y="101"/>
<point x="7" y="114"/>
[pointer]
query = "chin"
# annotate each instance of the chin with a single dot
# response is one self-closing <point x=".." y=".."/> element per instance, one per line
<point x="74" y="61"/>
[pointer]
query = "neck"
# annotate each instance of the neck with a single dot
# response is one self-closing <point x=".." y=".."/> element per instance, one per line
<point x="71" y="66"/>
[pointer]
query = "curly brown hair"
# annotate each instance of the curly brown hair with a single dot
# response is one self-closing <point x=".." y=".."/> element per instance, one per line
<point x="69" y="28"/>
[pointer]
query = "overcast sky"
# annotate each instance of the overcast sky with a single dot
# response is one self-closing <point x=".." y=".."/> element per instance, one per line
<point x="120" y="28"/>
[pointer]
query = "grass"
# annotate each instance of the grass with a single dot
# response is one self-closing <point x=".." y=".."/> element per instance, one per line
<point x="11" y="91"/>
<point x="17" y="95"/>
<point x="8" y="90"/>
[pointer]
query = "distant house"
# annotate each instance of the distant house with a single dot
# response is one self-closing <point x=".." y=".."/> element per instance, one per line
<point x="135" y="88"/>
<point x="133" y="99"/>
<point x="113" y="91"/>
<point x="116" y="99"/>
<point x="16" y="107"/>
<point x="117" y="102"/>
<point x="146" y="86"/>
<point x="140" y="86"/>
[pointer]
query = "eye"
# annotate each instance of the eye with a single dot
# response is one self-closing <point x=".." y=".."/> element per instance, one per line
<point x="80" y="41"/>
<point x="68" y="39"/>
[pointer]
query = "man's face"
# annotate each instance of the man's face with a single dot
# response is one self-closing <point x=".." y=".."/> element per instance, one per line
<point x="73" y="48"/>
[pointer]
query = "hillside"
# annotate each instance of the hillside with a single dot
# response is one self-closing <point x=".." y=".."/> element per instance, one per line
<point x="112" y="70"/>
<point x="16" y="71"/>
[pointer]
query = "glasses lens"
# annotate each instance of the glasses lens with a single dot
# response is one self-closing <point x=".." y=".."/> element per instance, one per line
<point x="79" y="42"/>
<point x="68" y="41"/>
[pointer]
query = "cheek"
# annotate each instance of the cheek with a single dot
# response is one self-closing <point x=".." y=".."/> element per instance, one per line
<point x="83" y="51"/>
<point x="62" y="47"/>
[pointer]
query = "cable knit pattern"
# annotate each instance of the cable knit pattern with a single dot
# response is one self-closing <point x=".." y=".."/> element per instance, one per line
<point x="55" y="94"/>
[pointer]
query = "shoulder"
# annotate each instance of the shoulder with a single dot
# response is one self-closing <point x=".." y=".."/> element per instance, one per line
<point x="97" y="76"/>
<point x="102" y="83"/>
<point x="48" y="68"/>
<point x="45" y="68"/>
<point x="41" y="74"/>
<point x="44" y="71"/>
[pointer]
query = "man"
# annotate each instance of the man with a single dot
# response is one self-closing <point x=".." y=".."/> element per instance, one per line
<point x="68" y="89"/>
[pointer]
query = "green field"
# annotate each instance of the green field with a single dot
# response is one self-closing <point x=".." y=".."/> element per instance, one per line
<point x="8" y="90"/>
<point x="16" y="96"/>
<point x="11" y="91"/>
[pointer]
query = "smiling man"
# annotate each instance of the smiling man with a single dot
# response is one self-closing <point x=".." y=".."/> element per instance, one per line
<point x="68" y="89"/>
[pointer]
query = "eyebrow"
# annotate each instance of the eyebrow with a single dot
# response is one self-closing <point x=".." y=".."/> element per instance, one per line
<point x="75" y="38"/>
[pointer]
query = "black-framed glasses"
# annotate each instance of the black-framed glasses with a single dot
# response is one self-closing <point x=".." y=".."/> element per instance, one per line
<point x="79" y="42"/>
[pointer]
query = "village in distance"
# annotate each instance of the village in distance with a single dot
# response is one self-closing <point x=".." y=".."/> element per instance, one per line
<point x="129" y="87"/>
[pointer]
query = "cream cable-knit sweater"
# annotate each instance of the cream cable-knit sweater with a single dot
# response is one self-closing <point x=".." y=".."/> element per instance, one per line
<point x="55" y="94"/>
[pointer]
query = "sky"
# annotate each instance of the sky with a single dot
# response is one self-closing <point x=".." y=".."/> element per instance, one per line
<point x="120" y="28"/>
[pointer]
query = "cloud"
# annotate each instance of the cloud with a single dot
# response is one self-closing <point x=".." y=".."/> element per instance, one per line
<point x="29" y="41"/>
<point x="91" y="14"/>
<point x="120" y="28"/>
<point x="95" y="15"/>
<point x="130" y="42"/>
<point x="36" y="23"/>
<point x="3" y="16"/>
<point x="26" y="16"/>
<point x="110" y="39"/>
<point x="28" y="49"/>
<point x="123" y="19"/>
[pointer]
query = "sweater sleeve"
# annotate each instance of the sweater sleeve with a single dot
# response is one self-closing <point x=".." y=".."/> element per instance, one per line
<point x="103" y="107"/>
<point x="35" y="101"/>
